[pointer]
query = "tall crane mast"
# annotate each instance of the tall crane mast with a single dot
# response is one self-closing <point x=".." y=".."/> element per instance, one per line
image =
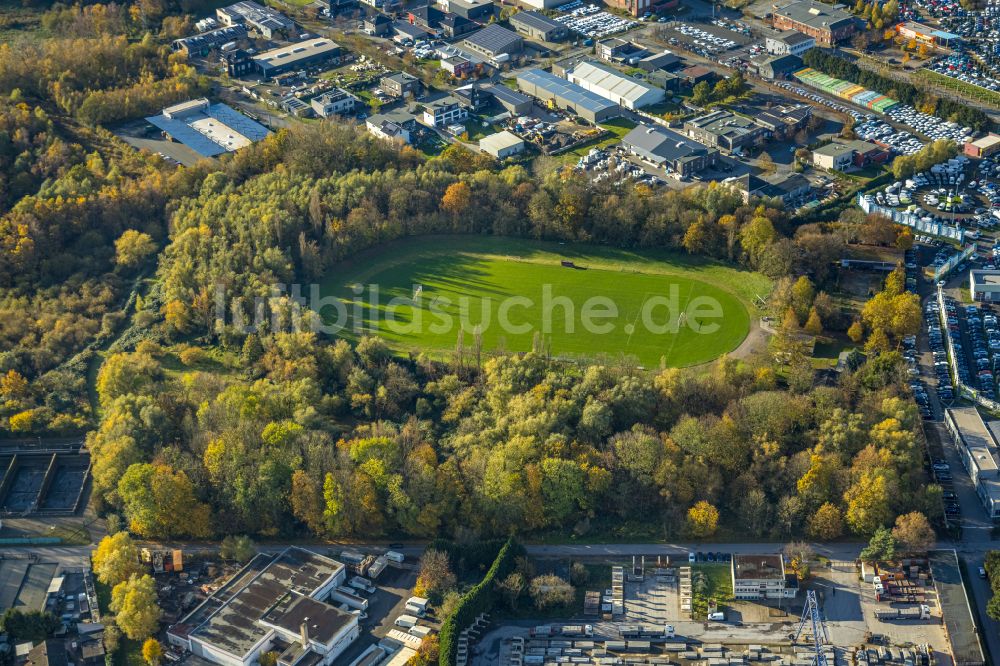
<point x="811" y="617"/>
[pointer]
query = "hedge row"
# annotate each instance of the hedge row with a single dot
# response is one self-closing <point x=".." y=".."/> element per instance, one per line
<point x="467" y="558"/>
<point x="479" y="599"/>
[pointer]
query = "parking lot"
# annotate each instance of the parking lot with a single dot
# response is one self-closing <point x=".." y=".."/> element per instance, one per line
<point x="593" y="22"/>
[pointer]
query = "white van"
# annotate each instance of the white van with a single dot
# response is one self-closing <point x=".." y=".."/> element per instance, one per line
<point x="717" y="617"/>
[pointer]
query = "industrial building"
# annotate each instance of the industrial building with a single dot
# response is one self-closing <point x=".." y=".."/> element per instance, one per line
<point x="976" y="443"/>
<point x="514" y="102"/>
<point x="238" y="63"/>
<point x="296" y="56"/>
<point x="789" y="188"/>
<point x="725" y="130"/>
<point x="666" y="149"/>
<point x="502" y="144"/>
<point x="824" y="23"/>
<point x="336" y="102"/>
<point x="665" y="61"/>
<point x="559" y="93"/>
<point x="784" y="121"/>
<point x="986" y="146"/>
<point x="265" y="20"/>
<point x="540" y="4"/>
<point x="494" y="41"/>
<point x="776" y="67"/>
<point x="984" y="285"/>
<point x="640" y="7"/>
<point x="538" y="26"/>
<point x="839" y="156"/>
<point x="276" y="603"/>
<point x="208" y="129"/>
<point x="789" y="42"/>
<point x="456" y="65"/>
<point x="614" y="86"/>
<point x="202" y="44"/>
<point x="923" y="34"/>
<point x="616" y="49"/>
<point x="761" y="577"/>
<point x="473" y="10"/>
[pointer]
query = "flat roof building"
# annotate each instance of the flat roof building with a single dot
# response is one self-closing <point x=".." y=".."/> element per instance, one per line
<point x="502" y="144"/>
<point x="336" y="102"/>
<point x="514" y="102"/>
<point x="208" y="129"/>
<point x="474" y="10"/>
<point x="668" y="150"/>
<point x="550" y="89"/>
<point x="295" y="56"/>
<point x="538" y="26"/>
<point x="824" y="23"/>
<point x="838" y="156"/>
<point x="760" y="577"/>
<point x="985" y="285"/>
<point x="986" y="146"/>
<point x="614" y="86"/>
<point x="202" y="44"/>
<point x="925" y="34"/>
<point x="265" y="20"/>
<point x="495" y="40"/>
<point x="275" y="603"/>
<point x="725" y="130"/>
<point x="977" y="448"/>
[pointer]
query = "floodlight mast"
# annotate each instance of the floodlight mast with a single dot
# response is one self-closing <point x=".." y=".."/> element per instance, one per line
<point x="811" y="614"/>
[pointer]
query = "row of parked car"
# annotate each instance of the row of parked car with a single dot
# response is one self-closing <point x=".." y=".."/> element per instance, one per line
<point x="963" y="68"/>
<point x="930" y="126"/>
<point x="901" y="142"/>
<point x="819" y="99"/>
<point x="935" y="337"/>
<point x="592" y="21"/>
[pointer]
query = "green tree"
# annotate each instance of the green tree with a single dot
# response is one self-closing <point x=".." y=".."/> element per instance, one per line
<point x="881" y="547"/>
<point x="160" y="502"/>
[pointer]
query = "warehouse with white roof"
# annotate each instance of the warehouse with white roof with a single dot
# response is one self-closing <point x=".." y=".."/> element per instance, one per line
<point x="614" y="86"/>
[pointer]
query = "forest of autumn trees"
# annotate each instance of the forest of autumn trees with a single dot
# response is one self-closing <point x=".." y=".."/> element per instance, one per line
<point x="293" y="432"/>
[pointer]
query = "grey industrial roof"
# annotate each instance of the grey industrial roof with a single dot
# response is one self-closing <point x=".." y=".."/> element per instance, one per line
<point x="323" y="621"/>
<point x="257" y="14"/>
<point x="793" y="37"/>
<point x="724" y="123"/>
<point x="663" y="60"/>
<point x="814" y="14"/>
<point x="505" y="94"/>
<point x="400" y="77"/>
<point x="536" y="20"/>
<point x="576" y="95"/>
<point x="233" y="627"/>
<point x="658" y="144"/>
<point x="293" y="53"/>
<point x="211" y="39"/>
<point x="182" y="131"/>
<point x="494" y="39"/>
<point x="48" y="653"/>
<point x="409" y="29"/>
<point x="500" y="140"/>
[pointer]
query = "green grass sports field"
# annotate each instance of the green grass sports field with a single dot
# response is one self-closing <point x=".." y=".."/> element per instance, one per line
<point x="652" y="306"/>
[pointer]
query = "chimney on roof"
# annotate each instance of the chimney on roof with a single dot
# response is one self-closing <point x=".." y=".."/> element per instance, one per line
<point x="304" y="632"/>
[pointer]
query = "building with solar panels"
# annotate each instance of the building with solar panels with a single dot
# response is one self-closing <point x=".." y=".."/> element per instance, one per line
<point x="296" y="56"/>
<point x="268" y="22"/>
<point x="208" y="129"/>
<point x="493" y="41"/>
<point x="559" y="93"/>
<point x="202" y="44"/>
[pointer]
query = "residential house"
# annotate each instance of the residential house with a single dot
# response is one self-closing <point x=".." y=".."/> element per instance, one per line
<point x="336" y="102"/>
<point x="443" y="112"/>
<point x="400" y="84"/>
